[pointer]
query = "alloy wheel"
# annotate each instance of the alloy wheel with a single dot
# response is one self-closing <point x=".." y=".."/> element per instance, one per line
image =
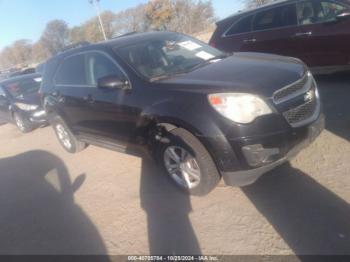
<point x="63" y="136"/>
<point x="19" y="122"/>
<point x="182" y="167"/>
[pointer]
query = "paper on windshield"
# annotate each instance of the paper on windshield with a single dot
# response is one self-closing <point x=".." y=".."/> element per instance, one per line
<point x="204" y="55"/>
<point x="189" y="45"/>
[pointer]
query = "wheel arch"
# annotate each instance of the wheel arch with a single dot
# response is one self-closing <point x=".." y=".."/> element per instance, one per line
<point x="167" y="116"/>
<point x="158" y="131"/>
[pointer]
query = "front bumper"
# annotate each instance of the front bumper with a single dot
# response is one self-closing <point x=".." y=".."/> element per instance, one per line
<point x="249" y="176"/>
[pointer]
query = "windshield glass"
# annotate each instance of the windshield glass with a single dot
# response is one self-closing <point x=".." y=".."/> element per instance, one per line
<point x="168" y="55"/>
<point x="20" y="88"/>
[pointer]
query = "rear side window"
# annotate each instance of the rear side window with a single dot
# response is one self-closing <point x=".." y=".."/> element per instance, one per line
<point x="287" y="15"/>
<point x="72" y="71"/>
<point x="244" y="25"/>
<point x="274" y="18"/>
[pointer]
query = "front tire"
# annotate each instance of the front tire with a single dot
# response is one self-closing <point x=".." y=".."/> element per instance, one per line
<point x="23" y="124"/>
<point x="66" y="138"/>
<point x="188" y="163"/>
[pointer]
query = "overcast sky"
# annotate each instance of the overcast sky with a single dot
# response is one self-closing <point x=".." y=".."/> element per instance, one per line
<point x="26" y="19"/>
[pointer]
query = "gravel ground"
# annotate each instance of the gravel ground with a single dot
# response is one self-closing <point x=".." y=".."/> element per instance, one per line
<point x="100" y="201"/>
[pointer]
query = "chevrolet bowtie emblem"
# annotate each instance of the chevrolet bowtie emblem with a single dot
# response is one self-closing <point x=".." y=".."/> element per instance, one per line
<point x="308" y="96"/>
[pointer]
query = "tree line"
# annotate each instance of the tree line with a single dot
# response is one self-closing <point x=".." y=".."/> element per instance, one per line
<point x="186" y="16"/>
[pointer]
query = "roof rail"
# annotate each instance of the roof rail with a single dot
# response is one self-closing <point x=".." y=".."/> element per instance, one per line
<point x="126" y="34"/>
<point x="75" y="45"/>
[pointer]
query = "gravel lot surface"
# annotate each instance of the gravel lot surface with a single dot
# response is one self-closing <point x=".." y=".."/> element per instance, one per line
<point x="100" y="201"/>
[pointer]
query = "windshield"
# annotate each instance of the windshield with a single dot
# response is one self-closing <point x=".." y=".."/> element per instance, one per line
<point x="168" y="55"/>
<point x="22" y="87"/>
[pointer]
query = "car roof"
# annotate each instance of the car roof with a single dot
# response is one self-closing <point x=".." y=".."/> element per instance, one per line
<point x="133" y="38"/>
<point x="21" y="77"/>
<point x="120" y="41"/>
<point x="252" y="10"/>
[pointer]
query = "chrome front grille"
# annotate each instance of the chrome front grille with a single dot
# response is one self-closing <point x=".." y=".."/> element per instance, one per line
<point x="303" y="112"/>
<point x="292" y="90"/>
<point x="308" y="108"/>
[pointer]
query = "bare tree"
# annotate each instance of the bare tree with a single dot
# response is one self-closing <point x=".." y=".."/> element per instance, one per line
<point x="17" y="54"/>
<point x="21" y="51"/>
<point x="7" y="59"/>
<point x="185" y="16"/>
<point x="90" y="31"/>
<point x="130" y="20"/>
<point x="39" y="52"/>
<point x="191" y="16"/>
<point x="55" y="36"/>
<point x="159" y="13"/>
<point x="76" y="34"/>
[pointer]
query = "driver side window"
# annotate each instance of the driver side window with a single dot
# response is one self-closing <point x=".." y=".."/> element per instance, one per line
<point x="331" y="10"/>
<point x="99" y="66"/>
<point x="312" y="12"/>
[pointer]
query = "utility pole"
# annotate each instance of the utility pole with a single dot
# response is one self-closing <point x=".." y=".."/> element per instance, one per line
<point x="95" y="4"/>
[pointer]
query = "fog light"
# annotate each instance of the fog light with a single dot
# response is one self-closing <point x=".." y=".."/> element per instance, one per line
<point x="39" y="113"/>
<point x="257" y="155"/>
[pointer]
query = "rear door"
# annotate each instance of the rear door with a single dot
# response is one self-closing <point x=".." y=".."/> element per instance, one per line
<point x="237" y="35"/>
<point x="325" y="40"/>
<point x="274" y="31"/>
<point x="270" y="30"/>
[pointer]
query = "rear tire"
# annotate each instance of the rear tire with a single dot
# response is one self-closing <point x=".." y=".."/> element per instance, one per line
<point x="188" y="163"/>
<point x="66" y="138"/>
<point x="23" y="124"/>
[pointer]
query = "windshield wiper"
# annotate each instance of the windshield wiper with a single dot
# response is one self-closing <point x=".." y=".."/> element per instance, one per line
<point x="205" y="62"/>
<point x="165" y="76"/>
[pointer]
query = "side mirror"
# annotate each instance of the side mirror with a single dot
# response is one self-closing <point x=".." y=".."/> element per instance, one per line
<point x="343" y="16"/>
<point x="113" y="82"/>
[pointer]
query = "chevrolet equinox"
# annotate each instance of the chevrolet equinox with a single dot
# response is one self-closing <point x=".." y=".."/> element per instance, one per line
<point x="202" y="113"/>
<point x="315" y="31"/>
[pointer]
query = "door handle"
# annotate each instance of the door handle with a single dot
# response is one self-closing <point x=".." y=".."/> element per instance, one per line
<point x="303" y="34"/>
<point x="253" y="40"/>
<point x="89" y="99"/>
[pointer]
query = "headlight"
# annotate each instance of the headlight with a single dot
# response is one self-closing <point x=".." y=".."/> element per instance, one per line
<point x="27" y="107"/>
<point x="239" y="107"/>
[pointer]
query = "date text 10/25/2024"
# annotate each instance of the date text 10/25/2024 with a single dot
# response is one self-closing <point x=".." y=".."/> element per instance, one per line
<point x="173" y="258"/>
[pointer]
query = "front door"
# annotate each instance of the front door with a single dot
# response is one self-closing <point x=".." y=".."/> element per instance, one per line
<point x="274" y="30"/>
<point x="102" y="114"/>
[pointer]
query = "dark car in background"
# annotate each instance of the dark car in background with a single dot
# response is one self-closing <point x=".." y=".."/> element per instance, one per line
<point x="315" y="31"/>
<point x="20" y="102"/>
<point x="204" y="115"/>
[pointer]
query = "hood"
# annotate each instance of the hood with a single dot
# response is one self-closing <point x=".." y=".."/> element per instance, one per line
<point x="32" y="99"/>
<point x="255" y="73"/>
